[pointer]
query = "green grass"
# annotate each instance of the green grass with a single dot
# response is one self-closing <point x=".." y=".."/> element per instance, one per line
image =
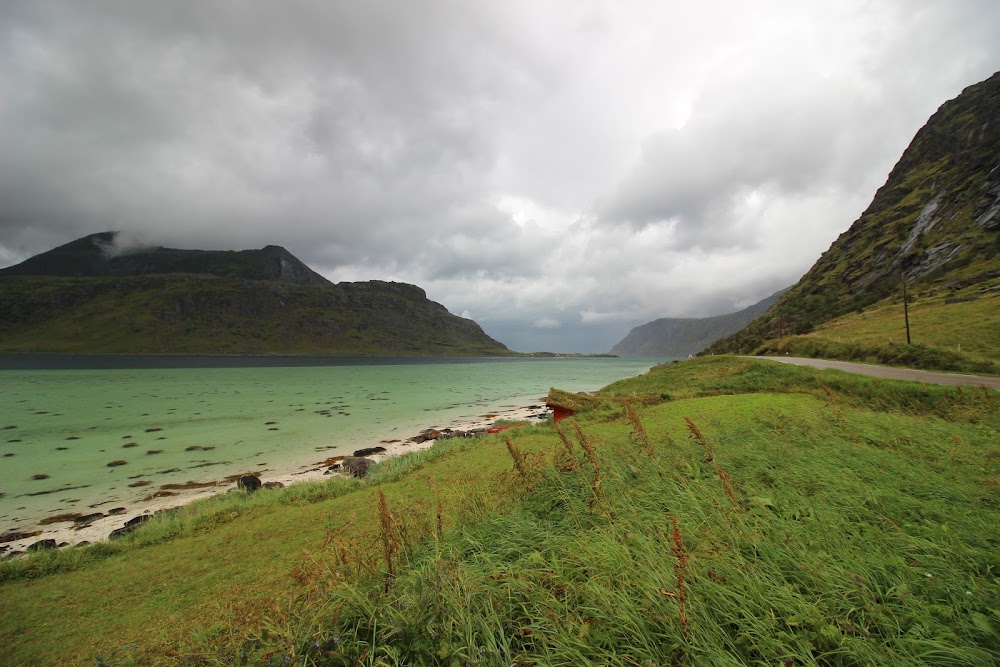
<point x="963" y="329"/>
<point x="859" y="527"/>
<point x="949" y="331"/>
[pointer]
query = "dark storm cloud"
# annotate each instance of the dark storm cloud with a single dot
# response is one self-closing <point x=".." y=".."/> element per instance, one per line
<point x="195" y="120"/>
<point x="558" y="171"/>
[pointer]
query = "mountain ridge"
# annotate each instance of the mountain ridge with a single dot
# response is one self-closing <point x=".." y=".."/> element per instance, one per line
<point x="100" y="255"/>
<point x="682" y="336"/>
<point x="83" y="298"/>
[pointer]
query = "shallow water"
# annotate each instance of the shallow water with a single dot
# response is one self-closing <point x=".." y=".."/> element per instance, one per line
<point x="179" y="425"/>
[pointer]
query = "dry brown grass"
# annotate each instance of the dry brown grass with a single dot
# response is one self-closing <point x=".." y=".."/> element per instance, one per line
<point x="568" y="455"/>
<point x="519" y="459"/>
<point x="389" y="536"/>
<point x="638" y="430"/>
<point x="588" y="449"/>
<point x="723" y="477"/>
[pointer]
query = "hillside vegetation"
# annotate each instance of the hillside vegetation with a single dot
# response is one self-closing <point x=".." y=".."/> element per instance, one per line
<point x="935" y="224"/>
<point x="720" y="511"/>
<point x="947" y="332"/>
<point x="249" y="302"/>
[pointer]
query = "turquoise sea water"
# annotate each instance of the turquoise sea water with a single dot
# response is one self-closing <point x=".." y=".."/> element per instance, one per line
<point x="179" y="425"/>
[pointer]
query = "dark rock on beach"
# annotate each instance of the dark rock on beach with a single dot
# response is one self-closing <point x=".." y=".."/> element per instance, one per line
<point x="249" y="483"/>
<point x="14" y="536"/>
<point x="88" y="518"/>
<point x="60" y="518"/>
<point x="129" y="526"/>
<point x="41" y="545"/>
<point x="273" y="485"/>
<point x="368" y="451"/>
<point x="357" y="466"/>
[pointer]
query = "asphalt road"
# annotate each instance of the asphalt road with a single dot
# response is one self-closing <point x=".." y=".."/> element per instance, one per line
<point x="894" y="373"/>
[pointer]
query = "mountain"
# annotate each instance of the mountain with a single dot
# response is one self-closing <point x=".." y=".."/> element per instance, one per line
<point x="681" y="336"/>
<point x="102" y="255"/>
<point x="92" y="296"/>
<point x="935" y="223"/>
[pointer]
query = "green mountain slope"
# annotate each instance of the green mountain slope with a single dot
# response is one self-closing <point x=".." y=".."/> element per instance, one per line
<point x="681" y="336"/>
<point x="935" y="222"/>
<point x="202" y="302"/>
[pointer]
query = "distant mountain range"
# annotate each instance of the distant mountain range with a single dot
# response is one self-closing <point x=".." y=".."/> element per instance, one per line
<point x="96" y="295"/>
<point x="935" y="224"/>
<point x="682" y="336"/>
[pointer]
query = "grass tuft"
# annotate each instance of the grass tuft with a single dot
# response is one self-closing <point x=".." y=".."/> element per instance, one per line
<point x="639" y="430"/>
<point x="677" y="547"/>
<point x="588" y="449"/>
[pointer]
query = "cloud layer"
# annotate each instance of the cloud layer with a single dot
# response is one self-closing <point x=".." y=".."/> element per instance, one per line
<point x="559" y="172"/>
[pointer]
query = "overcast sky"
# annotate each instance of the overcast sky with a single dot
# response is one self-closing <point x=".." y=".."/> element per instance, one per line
<point x="558" y="171"/>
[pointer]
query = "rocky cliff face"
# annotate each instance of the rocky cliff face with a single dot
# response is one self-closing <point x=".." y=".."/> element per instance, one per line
<point x="679" y="337"/>
<point x="202" y="302"/>
<point x="936" y="221"/>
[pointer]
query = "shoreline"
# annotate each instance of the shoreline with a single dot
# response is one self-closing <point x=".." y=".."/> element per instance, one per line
<point x="69" y="533"/>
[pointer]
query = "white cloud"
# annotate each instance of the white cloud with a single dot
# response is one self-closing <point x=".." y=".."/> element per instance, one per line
<point x="546" y="323"/>
<point x="597" y="163"/>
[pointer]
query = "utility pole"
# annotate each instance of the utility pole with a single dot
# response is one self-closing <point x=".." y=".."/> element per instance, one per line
<point x="906" y="309"/>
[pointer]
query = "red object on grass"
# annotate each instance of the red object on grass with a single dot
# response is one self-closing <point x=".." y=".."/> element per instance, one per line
<point x="559" y="412"/>
<point x="504" y="428"/>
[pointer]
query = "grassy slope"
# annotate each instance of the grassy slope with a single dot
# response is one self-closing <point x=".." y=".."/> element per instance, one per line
<point x="966" y="327"/>
<point x="860" y="530"/>
<point x="956" y="333"/>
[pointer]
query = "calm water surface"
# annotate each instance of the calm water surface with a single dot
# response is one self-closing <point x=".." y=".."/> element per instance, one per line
<point x="177" y="425"/>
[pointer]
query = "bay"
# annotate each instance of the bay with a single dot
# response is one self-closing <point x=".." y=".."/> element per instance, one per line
<point x="74" y="437"/>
